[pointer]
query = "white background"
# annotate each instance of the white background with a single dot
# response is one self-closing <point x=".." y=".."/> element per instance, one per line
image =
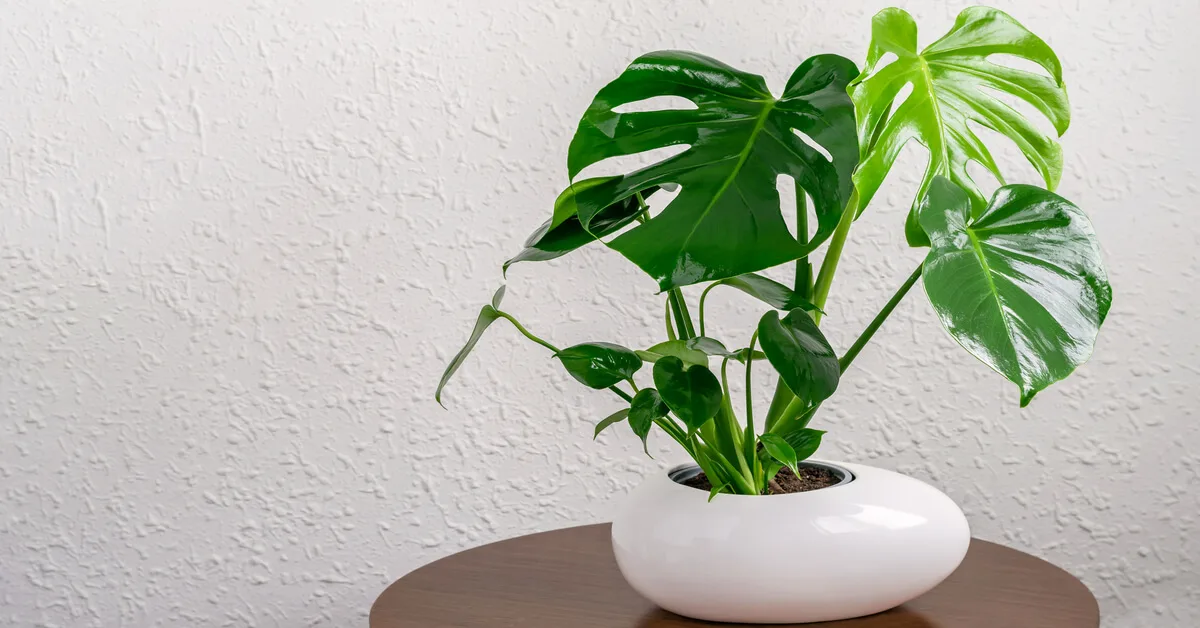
<point x="239" y="241"/>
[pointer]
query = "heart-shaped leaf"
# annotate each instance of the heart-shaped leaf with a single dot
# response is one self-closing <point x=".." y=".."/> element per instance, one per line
<point x="804" y="441"/>
<point x="954" y="84"/>
<point x="674" y="348"/>
<point x="564" y="233"/>
<point x="800" y="354"/>
<point x="647" y="406"/>
<point x="1021" y="287"/>
<point x="780" y="450"/>
<point x="599" y="364"/>
<point x="615" y="417"/>
<point x="693" y="393"/>
<point x="726" y="220"/>
<point x="487" y="315"/>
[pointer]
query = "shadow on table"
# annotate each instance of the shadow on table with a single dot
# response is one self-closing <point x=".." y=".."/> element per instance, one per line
<point x="896" y="618"/>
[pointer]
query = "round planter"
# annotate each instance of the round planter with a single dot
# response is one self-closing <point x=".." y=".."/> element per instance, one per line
<point x="860" y="547"/>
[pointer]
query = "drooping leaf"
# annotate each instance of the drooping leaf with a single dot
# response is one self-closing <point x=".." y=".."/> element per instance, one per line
<point x="768" y="291"/>
<point x="615" y="417"/>
<point x="674" y="348"/>
<point x="564" y="233"/>
<point x="498" y="297"/>
<point x="726" y="220"/>
<point x="487" y="316"/>
<point x="1021" y="287"/>
<point x="800" y="354"/>
<point x="780" y="450"/>
<point x="953" y="84"/>
<point x="693" y="392"/>
<point x="599" y="364"/>
<point x="716" y="489"/>
<point x="646" y="407"/>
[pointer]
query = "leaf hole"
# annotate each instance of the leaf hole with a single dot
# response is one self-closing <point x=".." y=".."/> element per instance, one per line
<point x="887" y="59"/>
<point x="621" y="165"/>
<point x="656" y="103"/>
<point x="1019" y="63"/>
<point x="804" y="137"/>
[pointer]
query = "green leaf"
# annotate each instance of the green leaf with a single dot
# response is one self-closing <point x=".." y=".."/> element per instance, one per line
<point x="954" y="84"/>
<point x="693" y="393"/>
<point x="599" y="364"/>
<point x="800" y="354"/>
<point x="803" y="441"/>
<point x="726" y="220"/>
<point x="768" y="291"/>
<point x="716" y="489"/>
<point x="564" y="233"/>
<point x="487" y="316"/>
<point x="615" y="417"/>
<point x="674" y="348"/>
<point x="780" y="450"/>
<point x="498" y="297"/>
<point x="646" y="407"/>
<point x="712" y="346"/>
<point x="1022" y="286"/>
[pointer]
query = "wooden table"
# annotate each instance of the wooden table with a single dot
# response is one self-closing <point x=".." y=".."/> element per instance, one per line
<point x="569" y="579"/>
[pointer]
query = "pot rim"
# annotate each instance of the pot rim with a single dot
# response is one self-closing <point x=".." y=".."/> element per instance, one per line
<point x="691" y="469"/>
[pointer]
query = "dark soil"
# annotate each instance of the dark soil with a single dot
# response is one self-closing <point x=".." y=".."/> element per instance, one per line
<point x="810" y="479"/>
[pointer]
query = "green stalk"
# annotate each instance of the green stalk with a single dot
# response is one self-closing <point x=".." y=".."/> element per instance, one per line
<point x="865" y="337"/>
<point x="803" y="283"/>
<point x="683" y="320"/>
<point x="667" y="316"/>
<point x="829" y="265"/>
<point x="749" y="440"/>
<point x="525" y="332"/>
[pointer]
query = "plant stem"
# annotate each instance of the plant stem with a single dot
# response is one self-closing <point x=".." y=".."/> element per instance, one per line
<point x="837" y="244"/>
<point x="803" y="282"/>
<point x="525" y="332"/>
<point x="683" y="319"/>
<point x="621" y="393"/>
<point x="865" y="337"/>
<point x="667" y="316"/>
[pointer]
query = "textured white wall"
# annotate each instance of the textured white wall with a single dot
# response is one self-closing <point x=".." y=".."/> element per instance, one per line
<point x="239" y="241"/>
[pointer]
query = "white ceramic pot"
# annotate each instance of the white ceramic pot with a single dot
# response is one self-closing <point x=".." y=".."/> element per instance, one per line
<point x="844" y="551"/>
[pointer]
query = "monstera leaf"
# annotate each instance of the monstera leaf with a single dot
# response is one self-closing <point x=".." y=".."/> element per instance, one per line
<point x="953" y="83"/>
<point x="726" y="220"/>
<point x="1021" y="286"/>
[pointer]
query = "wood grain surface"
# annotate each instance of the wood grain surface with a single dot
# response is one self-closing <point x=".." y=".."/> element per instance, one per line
<point x="569" y="579"/>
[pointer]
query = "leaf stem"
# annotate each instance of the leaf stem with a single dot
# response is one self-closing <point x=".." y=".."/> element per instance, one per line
<point x="803" y="283"/>
<point x="526" y="332"/>
<point x="829" y="265"/>
<point x="865" y="337"/>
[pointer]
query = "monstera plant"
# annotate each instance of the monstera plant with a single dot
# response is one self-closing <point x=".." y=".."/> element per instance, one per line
<point x="1016" y="277"/>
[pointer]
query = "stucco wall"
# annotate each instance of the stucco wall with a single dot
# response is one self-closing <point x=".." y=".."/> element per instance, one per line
<point x="238" y="242"/>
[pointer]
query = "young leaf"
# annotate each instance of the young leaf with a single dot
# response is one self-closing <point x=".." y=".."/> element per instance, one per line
<point x="780" y="450"/>
<point x="498" y="297"/>
<point x="615" y="417"/>
<point x="711" y="346"/>
<point x="599" y="364"/>
<point x="800" y="353"/>
<point x="693" y="393"/>
<point x="674" y="348"/>
<point x="646" y="407"/>
<point x="726" y="219"/>
<point x="1021" y="287"/>
<point x="487" y="316"/>
<point x="563" y="233"/>
<point x="954" y="84"/>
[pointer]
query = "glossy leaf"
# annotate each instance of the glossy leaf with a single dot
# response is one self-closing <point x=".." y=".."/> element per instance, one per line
<point x="693" y="393"/>
<point x="768" y="291"/>
<point x="564" y="233"/>
<point x="715" y="490"/>
<point x="1022" y="286"/>
<point x="954" y="84"/>
<point x="804" y="442"/>
<point x="726" y="220"/>
<point x="599" y="364"/>
<point x="646" y="407"/>
<point x="487" y="315"/>
<point x="674" y="348"/>
<point x="714" y="347"/>
<point x="800" y="354"/>
<point x="780" y="450"/>
<point x="615" y="417"/>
